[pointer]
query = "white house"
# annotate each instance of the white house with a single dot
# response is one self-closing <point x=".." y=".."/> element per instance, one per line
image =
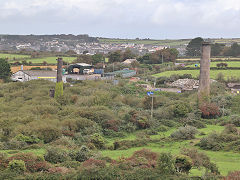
<point x="29" y="75"/>
<point x="129" y="61"/>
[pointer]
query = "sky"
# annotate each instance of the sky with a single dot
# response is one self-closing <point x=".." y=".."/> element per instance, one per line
<point x="156" y="19"/>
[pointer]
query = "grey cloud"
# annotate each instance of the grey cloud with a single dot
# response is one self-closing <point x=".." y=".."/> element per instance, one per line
<point x="122" y="18"/>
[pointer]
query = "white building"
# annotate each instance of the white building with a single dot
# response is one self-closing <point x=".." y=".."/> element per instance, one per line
<point x="29" y="75"/>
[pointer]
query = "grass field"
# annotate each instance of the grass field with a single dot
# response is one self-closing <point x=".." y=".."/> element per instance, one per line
<point x="214" y="64"/>
<point x="195" y="73"/>
<point x="152" y="42"/>
<point x="226" y="161"/>
<point x="50" y="60"/>
<point x="198" y="59"/>
<point x="13" y="56"/>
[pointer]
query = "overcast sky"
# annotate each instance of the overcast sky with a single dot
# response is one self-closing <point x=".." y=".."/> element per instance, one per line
<point x="159" y="19"/>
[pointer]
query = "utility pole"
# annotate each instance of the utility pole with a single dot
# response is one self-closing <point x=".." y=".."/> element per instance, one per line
<point x="152" y="108"/>
<point x="162" y="59"/>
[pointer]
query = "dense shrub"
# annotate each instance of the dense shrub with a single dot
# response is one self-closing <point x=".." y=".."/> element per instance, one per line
<point x="33" y="163"/>
<point x="211" y="142"/>
<point x="97" y="140"/>
<point x="199" y="159"/>
<point x="81" y="155"/>
<point x="64" y="141"/>
<point x="27" y="139"/>
<point x="166" y="164"/>
<point x="46" y="131"/>
<point x="184" y="133"/>
<point x="56" y="155"/>
<point x="183" y="164"/>
<point x="3" y="161"/>
<point x="59" y="170"/>
<point x="210" y="110"/>
<point x="92" y="164"/>
<point x="140" y="159"/>
<point x="17" y="166"/>
<point x="71" y="164"/>
<point x="181" y="109"/>
<point x="232" y="175"/>
<point x="235" y="120"/>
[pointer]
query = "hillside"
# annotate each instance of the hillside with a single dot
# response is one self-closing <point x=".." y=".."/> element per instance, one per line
<point x="100" y="127"/>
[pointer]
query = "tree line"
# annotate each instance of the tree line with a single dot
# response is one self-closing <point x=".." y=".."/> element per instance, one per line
<point x="217" y="49"/>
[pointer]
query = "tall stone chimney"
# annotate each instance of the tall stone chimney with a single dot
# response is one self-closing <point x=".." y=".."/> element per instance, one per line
<point x="204" y="81"/>
<point x="59" y="69"/>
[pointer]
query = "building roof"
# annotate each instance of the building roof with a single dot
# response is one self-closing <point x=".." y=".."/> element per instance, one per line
<point x="41" y="73"/>
<point x="82" y="64"/>
<point x="129" y="61"/>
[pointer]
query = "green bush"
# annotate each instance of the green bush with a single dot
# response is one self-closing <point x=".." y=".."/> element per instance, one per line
<point x="17" y="166"/>
<point x="33" y="163"/>
<point x="184" y="133"/>
<point x="181" y="109"/>
<point x="47" y="132"/>
<point x="97" y="140"/>
<point x="58" y="90"/>
<point x="165" y="164"/>
<point x="211" y="142"/>
<point x="81" y="155"/>
<point x="56" y="155"/>
<point x="71" y="164"/>
<point x="27" y="139"/>
<point x="183" y="164"/>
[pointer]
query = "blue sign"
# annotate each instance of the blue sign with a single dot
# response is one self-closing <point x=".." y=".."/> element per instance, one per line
<point x="150" y="93"/>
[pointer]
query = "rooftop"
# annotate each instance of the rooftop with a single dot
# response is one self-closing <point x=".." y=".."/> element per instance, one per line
<point x="41" y="73"/>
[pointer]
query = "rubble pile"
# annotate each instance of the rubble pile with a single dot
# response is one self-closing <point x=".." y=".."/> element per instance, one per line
<point x="186" y="84"/>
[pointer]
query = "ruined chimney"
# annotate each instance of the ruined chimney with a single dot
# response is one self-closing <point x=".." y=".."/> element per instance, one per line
<point x="59" y="69"/>
<point x="204" y="81"/>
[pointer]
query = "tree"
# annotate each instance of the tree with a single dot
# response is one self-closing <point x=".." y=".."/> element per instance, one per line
<point x="194" y="47"/>
<point x="115" y="56"/>
<point x="235" y="50"/>
<point x="216" y="49"/>
<point x="5" y="70"/>
<point x="97" y="58"/>
<point x="128" y="54"/>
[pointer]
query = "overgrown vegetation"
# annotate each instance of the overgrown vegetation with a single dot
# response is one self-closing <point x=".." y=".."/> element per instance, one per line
<point x="92" y="117"/>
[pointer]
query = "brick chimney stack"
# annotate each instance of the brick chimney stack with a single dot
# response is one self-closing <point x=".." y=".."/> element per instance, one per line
<point x="59" y="69"/>
<point x="204" y="81"/>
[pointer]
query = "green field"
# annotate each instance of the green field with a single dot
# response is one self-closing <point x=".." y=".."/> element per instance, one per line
<point x="198" y="59"/>
<point x="226" y="161"/>
<point x="195" y="73"/>
<point x="152" y="42"/>
<point x="13" y="56"/>
<point x="214" y="64"/>
<point x="50" y="60"/>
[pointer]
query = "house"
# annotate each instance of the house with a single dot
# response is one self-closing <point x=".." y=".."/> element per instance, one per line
<point x="235" y="87"/>
<point x="129" y="61"/>
<point x="28" y="75"/>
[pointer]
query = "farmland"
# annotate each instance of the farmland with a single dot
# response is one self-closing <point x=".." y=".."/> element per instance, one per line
<point x="17" y="68"/>
<point x="215" y="59"/>
<point x="214" y="64"/>
<point x="13" y="56"/>
<point x="150" y="42"/>
<point x="195" y="73"/>
<point x="49" y="60"/>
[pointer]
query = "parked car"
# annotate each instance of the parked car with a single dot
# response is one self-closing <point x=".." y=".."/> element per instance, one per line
<point x="88" y="71"/>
